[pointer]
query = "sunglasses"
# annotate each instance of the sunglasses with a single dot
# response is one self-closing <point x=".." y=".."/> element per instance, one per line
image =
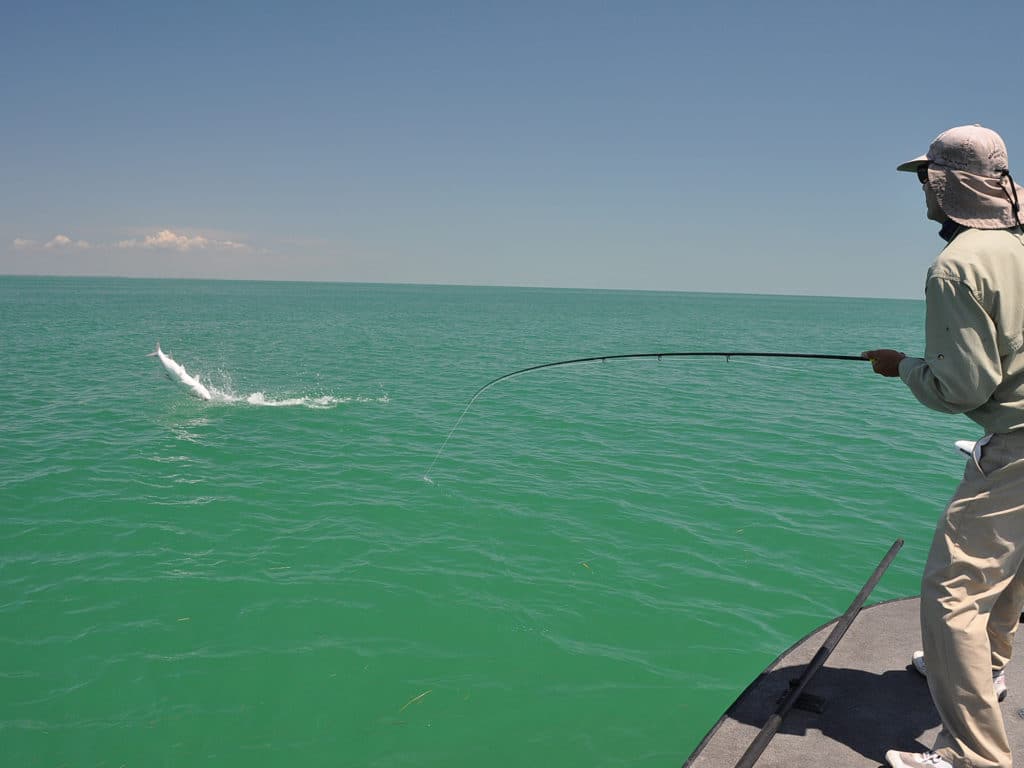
<point x="922" y="173"/>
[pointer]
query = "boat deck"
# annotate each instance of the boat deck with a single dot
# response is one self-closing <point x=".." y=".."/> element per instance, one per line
<point x="871" y="700"/>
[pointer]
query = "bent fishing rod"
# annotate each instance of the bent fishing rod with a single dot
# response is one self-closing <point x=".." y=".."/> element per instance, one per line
<point x="631" y="356"/>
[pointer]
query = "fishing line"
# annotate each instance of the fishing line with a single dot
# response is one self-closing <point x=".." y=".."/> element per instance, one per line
<point x="604" y="358"/>
<point x="769" y="366"/>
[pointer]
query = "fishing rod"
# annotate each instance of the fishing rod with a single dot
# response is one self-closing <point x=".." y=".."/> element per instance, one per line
<point x="632" y="356"/>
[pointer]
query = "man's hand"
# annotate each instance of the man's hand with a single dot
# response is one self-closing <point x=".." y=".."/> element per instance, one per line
<point x="885" y="362"/>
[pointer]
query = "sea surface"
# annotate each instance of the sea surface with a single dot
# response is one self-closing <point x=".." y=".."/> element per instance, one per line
<point x="599" y="561"/>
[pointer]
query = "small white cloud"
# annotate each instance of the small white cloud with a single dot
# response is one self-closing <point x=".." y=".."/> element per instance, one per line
<point x="173" y="241"/>
<point x="164" y="239"/>
<point x="57" y="242"/>
<point x="63" y="241"/>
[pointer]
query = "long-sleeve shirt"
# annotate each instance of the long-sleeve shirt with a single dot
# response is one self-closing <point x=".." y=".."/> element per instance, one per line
<point x="974" y="331"/>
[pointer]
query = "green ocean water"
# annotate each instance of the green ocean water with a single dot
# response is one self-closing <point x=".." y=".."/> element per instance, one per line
<point x="603" y="557"/>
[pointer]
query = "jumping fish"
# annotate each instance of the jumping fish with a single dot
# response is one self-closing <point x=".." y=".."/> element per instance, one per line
<point x="176" y="371"/>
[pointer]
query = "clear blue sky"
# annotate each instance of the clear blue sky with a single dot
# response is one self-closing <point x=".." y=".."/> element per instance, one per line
<point x="704" y="146"/>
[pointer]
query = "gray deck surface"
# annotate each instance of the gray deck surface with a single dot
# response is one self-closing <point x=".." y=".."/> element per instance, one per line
<point x="874" y="700"/>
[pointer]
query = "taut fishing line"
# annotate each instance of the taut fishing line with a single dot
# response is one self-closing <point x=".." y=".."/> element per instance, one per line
<point x="603" y="358"/>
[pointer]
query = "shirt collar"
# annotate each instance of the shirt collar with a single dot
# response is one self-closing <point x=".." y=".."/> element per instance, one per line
<point x="950" y="229"/>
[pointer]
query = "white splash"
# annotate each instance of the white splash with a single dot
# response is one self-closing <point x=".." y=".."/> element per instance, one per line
<point x="226" y="394"/>
<point x="325" y="401"/>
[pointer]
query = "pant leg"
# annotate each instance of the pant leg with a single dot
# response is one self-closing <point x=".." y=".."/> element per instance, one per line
<point x="1003" y="622"/>
<point x="976" y="554"/>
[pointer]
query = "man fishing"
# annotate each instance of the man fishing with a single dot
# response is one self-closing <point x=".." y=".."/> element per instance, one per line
<point x="972" y="590"/>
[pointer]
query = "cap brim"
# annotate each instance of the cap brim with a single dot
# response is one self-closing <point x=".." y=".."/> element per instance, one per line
<point x="913" y="165"/>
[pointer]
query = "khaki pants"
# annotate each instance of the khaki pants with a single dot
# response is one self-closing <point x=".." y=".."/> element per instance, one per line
<point x="972" y="593"/>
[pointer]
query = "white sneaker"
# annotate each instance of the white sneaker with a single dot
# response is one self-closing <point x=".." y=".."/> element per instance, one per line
<point x="999" y="683"/>
<point x="998" y="678"/>
<point x="917" y="659"/>
<point x="916" y="760"/>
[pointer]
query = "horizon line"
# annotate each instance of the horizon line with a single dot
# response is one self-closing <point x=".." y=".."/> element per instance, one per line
<point x="452" y="285"/>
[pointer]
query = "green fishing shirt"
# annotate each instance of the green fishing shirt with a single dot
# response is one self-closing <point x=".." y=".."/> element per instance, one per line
<point x="974" y="331"/>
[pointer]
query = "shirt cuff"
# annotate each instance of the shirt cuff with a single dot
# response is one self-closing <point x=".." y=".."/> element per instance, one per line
<point x="908" y="365"/>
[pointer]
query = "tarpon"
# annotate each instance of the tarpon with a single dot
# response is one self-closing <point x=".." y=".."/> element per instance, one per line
<point x="177" y="373"/>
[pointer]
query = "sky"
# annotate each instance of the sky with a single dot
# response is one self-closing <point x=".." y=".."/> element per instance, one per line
<point x="737" y="147"/>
